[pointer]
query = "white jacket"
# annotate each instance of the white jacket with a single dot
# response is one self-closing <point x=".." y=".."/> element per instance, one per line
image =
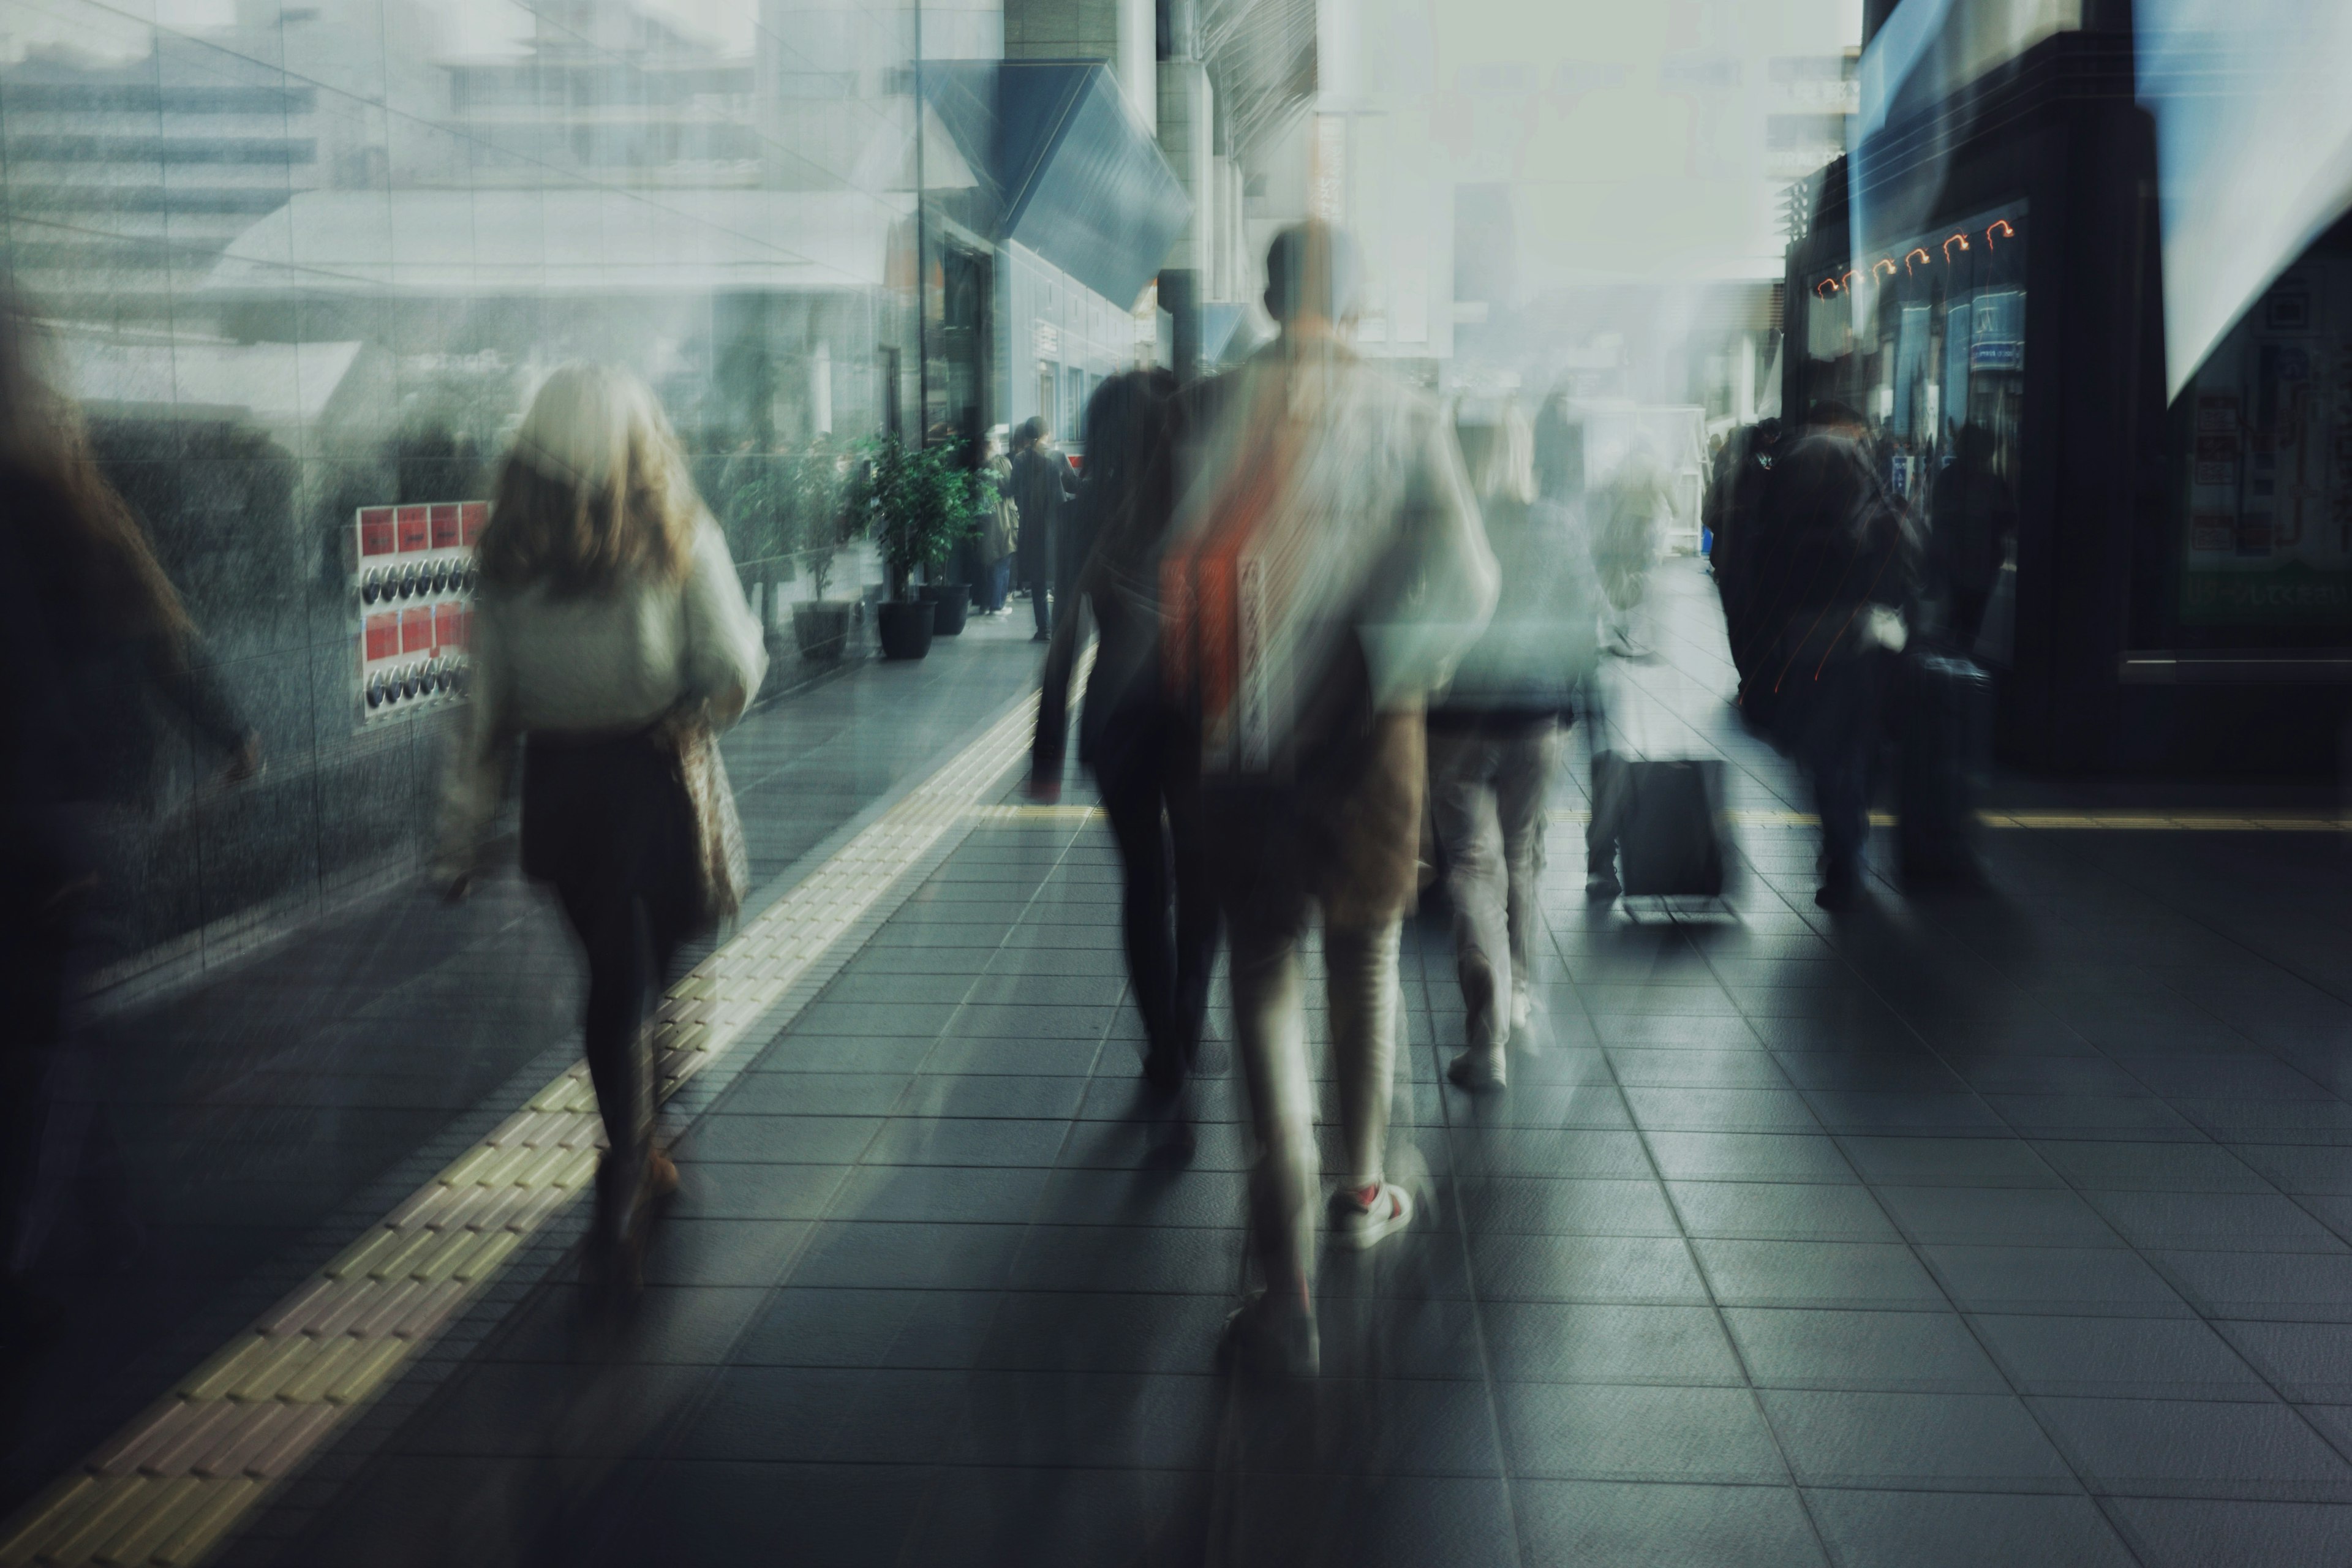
<point x="610" y="662"/>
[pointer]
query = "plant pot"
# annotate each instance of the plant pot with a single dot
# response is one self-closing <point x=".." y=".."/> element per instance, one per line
<point x="822" y="629"/>
<point x="954" y="600"/>
<point x="906" y="628"/>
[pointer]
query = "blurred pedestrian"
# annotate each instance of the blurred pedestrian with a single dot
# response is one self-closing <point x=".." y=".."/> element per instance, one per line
<point x="1494" y="740"/>
<point x="1042" y="481"/>
<point x="1144" y="762"/>
<point x="1833" y="595"/>
<point x="1628" y="518"/>
<point x="1330" y="568"/>
<point x="998" y="524"/>
<point x="609" y="609"/>
<point x="98" y="645"/>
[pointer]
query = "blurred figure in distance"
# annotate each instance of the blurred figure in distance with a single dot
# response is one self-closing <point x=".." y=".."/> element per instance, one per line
<point x="1143" y="760"/>
<point x="1326" y="513"/>
<point x="998" y="525"/>
<point x="1972" y="517"/>
<point x="1042" y="481"/>
<point x="608" y="602"/>
<point x="1494" y="737"/>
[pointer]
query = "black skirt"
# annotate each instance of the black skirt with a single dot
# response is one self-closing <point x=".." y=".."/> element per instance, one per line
<point x="605" y="819"/>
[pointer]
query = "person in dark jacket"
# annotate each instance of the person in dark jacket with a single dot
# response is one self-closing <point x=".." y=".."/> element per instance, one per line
<point x="1042" y="481"/>
<point x="1142" y="757"/>
<point x="1834" y="593"/>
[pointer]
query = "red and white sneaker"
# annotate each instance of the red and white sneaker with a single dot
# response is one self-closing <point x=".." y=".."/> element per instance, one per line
<point x="1365" y="1218"/>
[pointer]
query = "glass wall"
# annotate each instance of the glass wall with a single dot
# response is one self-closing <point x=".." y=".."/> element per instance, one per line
<point x="2261" y="434"/>
<point x="301" y="263"/>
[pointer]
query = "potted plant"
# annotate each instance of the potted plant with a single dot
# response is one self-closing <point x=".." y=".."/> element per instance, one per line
<point x="920" y="503"/>
<point x="820" y="525"/>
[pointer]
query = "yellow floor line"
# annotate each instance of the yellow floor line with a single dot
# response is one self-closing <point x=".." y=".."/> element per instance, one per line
<point x="170" y="1484"/>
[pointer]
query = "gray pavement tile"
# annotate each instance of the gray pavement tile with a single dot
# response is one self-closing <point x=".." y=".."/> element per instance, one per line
<point x="812" y="1414"/>
<point x="1072" y="1330"/>
<point x="1567" y="1524"/>
<point x="1551" y="1207"/>
<point x="910" y="1330"/>
<point x="2305" y="1361"/>
<point x="2022" y="1216"/>
<point x="1141" y="1258"/>
<point x="1745" y="1069"/>
<point x="1748" y="1156"/>
<point x="706" y="1510"/>
<point x="1013" y="1058"/>
<point x="666" y="1325"/>
<point x="2236" y="1221"/>
<point x="2170" y="1532"/>
<point x="966" y="1141"/>
<point x="861" y="1054"/>
<point x="1885" y="1351"/>
<point x="1120" y="1420"/>
<point x="2313" y="1287"/>
<point x="1054" y="1516"/>
<point x="685" y="1251"/>
<point x="758" y="1093"/>
<point x="2152" y="1167"/>
<point x="1781" y="1211"/>
<point x="2160" y="1448"/>
<point x="1542" y="1341"/>
<point x="1872" y="1113"/>
<point x="2144" y="1358"/>
<point x="1951" y="1162"/>
<point x="878" y="1255"/>
<point x="2306" y="1169"/>
<point x="1150" y="1198"/>
<point x="1815" y="1274"/>
<point x="1271" y="1518"/>
<point x="1632" y="1270"/>
<point x="1601" y="1432"/>
<point x="950" y="1094"/>
<point x="1950" y="1442"/>
<point x="1689" y="1109"/>
<point x="733" y="1189"/>
<point x="2105" y="1281"/>
<point x="752" y="1139"/>
<point x="1920" y="1530"/>
<point x="1580" y="1154"/>
<point x="938" y="1194"/>
<point x="519" y="1409"/>
<point x="1406" y="1333"/>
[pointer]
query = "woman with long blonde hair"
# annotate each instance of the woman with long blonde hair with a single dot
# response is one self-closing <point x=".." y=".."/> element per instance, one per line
<point x="608" y="606"/>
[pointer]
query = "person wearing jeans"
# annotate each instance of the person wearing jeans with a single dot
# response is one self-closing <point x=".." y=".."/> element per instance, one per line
<point x="1494" y="732"/>
<point x="1314" y="760"/>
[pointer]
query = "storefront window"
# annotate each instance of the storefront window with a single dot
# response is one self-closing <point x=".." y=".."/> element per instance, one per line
<point x="2264" y="443"/>
<point x="1925" y="338"/>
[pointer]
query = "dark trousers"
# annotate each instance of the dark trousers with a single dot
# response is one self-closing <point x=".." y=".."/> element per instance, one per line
<point x="1968" y="606"/>
<point x="1156" y="821"/>
<point x="1829" y="725"/>
<point x="1037" y="571"/>
<point x="606" y="822"/>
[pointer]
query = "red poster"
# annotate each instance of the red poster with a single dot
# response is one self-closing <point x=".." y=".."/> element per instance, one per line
<point x="383" y="635"/>
<point x="417" y="629"/>
<point x="445" y="527"/>
<point x="375" y="530"/>
<point x="415" y="529"/>
<point x="447" y="632"/>
<point x="477" y="512"/>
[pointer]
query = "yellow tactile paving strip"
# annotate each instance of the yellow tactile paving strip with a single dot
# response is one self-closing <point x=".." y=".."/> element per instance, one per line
<point x="168" y="1487"/>
<point x="2065" y="821"/>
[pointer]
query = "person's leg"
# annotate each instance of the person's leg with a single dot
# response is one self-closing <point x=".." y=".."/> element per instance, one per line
<point x="1838" y="728"/>
<point x="1968" y="606"/>
<point x="1360" y="964"/>
<point x="616" y="929"/>
<point x="1037" y="566"/>
<point x="1198" y="920"/>
<point x="1523" y="775"/>
<point x="1270" y="1037"/>
<point x="1132" y="804"/>
<point x="1462" y="802"/>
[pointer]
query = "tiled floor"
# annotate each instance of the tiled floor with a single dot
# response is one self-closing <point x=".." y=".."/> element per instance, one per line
<point x="2008" y="1228"/>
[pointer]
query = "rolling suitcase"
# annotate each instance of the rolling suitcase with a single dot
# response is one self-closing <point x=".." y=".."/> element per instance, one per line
<point x="1670" y="829"/>
<point x="1943" y="731"/>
